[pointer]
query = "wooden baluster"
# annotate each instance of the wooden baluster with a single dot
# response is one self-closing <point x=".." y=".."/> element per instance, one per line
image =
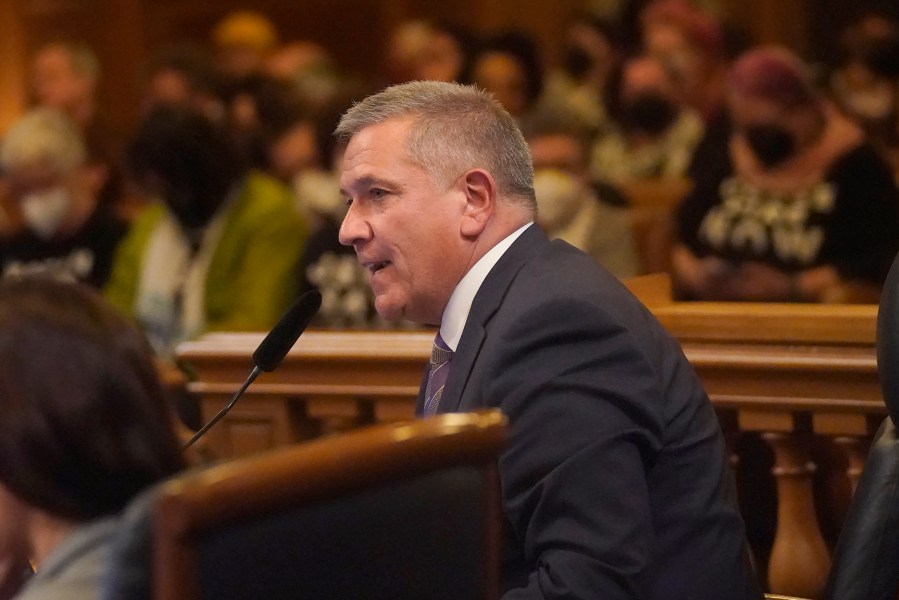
<point x="855" y="450"/>
<point x="799" y="559"/>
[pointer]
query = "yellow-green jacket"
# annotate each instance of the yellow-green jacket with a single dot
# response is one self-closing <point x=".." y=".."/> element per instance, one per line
<point x="252" y="275"/>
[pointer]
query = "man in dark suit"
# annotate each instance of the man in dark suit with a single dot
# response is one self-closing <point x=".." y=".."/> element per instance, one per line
<point x="615" y="481"/>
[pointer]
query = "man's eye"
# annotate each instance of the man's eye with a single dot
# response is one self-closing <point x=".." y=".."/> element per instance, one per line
<point x="377" y="193"/>
<point x="348" y="201"/>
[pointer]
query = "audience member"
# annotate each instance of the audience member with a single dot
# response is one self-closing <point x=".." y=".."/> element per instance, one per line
<point x="866" y="85"/>
<point x="257" y="109"/>
<point x="183" y="75"/>
<point x="655" y="133"/>
<point x="309" y="71"/>
<point x="65" y="77"/>
<point x="68" y="232"/>
<point x="799" y="206"/>
<point x="447" y="55"/>
<point x="218" y="250"/>
<point x="569" y="207"/>
<point x="242" y="40"/>
<point x="591" y="50"/>
<point x="405" y="48"/>
<point x="84" y="427"/>
<point x="507" y="66"/>
<point x="293" y="148"/>
<point x="691" y="41"/>
<point x="615" y="477"/>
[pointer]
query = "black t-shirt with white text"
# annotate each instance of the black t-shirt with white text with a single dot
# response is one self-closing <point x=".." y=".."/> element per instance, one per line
<point x="84" y="256"/>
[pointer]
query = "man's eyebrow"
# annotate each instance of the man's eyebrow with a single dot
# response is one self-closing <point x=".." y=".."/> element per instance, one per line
<point x="365" y="182"/>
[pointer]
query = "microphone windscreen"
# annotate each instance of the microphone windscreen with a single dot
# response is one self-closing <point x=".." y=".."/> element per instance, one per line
<point x="285" y="334"/>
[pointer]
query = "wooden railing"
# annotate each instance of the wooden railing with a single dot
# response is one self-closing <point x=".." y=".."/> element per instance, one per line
<point x="795" y="385"/>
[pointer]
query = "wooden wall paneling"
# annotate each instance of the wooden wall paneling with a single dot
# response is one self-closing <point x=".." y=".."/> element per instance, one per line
<point x="123" y="46"/>
<point x="781" y="22"/>
<point x="350" y="29"/>
<point x="12" y="63"/>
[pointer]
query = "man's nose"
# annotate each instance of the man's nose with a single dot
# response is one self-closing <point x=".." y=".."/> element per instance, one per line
<point x="354" y="228"/>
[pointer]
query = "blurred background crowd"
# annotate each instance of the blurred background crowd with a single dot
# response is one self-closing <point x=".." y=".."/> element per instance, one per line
<point x="664" y="138"/>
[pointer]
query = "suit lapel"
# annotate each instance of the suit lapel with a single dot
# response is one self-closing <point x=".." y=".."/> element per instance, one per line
<point x="486" y="302"/>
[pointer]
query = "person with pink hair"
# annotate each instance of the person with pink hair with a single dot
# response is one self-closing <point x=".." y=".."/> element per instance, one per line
<point x="801" y="208"/>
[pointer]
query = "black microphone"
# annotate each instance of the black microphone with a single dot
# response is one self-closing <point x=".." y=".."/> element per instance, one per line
<point x="272" y="350"/>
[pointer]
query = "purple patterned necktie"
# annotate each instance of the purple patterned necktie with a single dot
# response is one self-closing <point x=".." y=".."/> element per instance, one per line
<point x="441" y="356"/>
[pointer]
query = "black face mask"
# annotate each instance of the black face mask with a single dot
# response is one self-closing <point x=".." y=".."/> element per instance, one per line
<point x="576" y="61"/>
<point x="649" y="112"/>
<point x="193" y="208"/>
<point x="771" y="144"/>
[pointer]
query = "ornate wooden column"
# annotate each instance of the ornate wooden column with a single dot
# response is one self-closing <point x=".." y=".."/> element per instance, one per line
<point x="799" y="558"/>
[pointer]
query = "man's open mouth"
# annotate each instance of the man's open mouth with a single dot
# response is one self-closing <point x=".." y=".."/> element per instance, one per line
<point x="377" y="266"/>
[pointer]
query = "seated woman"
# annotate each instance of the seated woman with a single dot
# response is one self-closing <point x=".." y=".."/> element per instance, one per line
<point x="800" y="208"/>
<point x="84" y="427"/>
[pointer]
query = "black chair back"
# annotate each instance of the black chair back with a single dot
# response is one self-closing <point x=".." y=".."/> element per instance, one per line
<point x="400" y="512"/>
<point x="866" y="561"/>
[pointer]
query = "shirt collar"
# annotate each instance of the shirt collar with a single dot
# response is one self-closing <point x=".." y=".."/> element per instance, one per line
<point x="456" y="312"/>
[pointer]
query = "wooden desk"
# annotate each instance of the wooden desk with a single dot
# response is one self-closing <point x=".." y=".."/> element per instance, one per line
<point x="791" y="374"/>
<point x="329" y="381"/>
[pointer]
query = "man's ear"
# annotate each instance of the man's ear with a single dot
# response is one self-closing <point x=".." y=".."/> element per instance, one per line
<point x="479" y="188"/>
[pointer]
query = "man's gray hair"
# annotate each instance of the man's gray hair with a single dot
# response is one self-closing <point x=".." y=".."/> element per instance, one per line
<point x="43" y="137"/>
<point x="455" y="128"/>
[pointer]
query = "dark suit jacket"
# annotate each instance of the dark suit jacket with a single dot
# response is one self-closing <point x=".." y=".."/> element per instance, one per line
<point x="615" y="481"/>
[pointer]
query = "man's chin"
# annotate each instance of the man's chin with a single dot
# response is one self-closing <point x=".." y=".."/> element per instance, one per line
<point x="389" y="311"/>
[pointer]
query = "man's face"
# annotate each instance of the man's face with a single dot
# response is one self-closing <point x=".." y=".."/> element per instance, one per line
<point x="404" y="228"/>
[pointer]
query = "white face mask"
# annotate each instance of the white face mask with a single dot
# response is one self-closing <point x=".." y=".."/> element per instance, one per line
<point x="46" y="210"/>
<point x="559" y="197"/>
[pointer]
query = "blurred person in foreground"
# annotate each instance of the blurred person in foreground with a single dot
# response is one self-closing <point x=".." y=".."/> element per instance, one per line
<point x="798" y="208"/>
<point x="217" y="249"/>
<point x="67" y="231"/>
<point x="615" y="479"/>
<point x="569" y="206"/>
<point x="84" y="427"/>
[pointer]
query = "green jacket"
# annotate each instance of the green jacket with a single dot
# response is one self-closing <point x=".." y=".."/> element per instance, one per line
<point x="253" y="272"/>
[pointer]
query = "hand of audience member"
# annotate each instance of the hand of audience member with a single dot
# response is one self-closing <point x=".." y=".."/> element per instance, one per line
<point x="698" y="278"/>
<point x="758" y="282"/>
